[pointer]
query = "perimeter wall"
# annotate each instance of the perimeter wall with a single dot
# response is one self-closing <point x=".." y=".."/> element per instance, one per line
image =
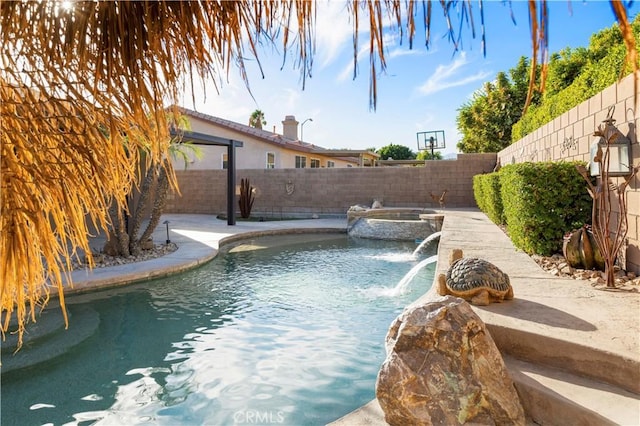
<point x="287" y="192"/>
<point x="569" y="138"/>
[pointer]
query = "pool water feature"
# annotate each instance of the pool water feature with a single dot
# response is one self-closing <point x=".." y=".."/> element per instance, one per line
<point x="424" y="244"/>
<point x="289" y="335"/>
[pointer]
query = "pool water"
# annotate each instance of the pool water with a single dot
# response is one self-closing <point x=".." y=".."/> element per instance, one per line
<point x="291" y="334"/>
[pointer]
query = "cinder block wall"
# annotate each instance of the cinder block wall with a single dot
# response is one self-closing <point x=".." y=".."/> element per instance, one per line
<point x="569" y="137"/>
<point x="333" y="191"/>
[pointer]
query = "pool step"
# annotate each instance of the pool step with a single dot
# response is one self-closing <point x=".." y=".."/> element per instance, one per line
<point x="551" y="396"/>
<point x="49" y="321"/>
<point x="600" y="364"/>
<point x="49" y="339"/>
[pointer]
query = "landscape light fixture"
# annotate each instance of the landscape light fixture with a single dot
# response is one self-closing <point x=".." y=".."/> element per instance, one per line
<point x="166" y="222"/>
<point x="302" y="128"/>
<point x="612" y="143"/>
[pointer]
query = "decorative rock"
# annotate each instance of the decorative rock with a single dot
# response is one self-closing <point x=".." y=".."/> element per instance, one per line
<point x="147" y="245"/>
<point x="443" y="368"/>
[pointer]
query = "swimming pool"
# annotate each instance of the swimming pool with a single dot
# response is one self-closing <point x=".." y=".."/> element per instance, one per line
<point x="264" y="334"/>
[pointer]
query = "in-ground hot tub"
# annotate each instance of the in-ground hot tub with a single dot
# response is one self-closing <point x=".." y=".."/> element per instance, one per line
<point x="393" y="223"/>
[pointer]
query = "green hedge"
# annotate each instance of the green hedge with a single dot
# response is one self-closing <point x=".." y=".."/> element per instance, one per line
<point x="486" y="191"/>
<point x="538" y="202"/>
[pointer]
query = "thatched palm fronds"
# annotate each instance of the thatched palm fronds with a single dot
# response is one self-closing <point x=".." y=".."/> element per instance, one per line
<point x="83" y="91"/>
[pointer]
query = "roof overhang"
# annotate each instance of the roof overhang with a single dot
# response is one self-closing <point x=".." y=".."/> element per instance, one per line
<point x="205" y="139"/>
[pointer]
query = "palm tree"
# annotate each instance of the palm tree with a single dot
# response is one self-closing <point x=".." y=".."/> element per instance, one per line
<point x="257" y="119"/>
<point x="82" y="99"/>
<point x="124" y="238"/>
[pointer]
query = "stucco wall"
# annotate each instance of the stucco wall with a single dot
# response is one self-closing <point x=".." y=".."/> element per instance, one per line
<point x="333" y="191"/>
<point x="570" y="136"/>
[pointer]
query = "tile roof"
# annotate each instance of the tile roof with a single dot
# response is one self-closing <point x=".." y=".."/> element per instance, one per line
<point x="263" y="135"/>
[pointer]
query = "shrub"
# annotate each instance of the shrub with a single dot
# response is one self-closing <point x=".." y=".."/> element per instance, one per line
<point x="486" y="191"/>
<point x="541" y="202"/>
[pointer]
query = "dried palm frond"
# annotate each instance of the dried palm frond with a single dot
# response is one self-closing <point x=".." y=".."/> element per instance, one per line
<point x="83" y="91"/>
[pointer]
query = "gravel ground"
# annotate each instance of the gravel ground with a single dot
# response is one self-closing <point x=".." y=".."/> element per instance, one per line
<point x="557" y="265"/>
<point x="102" y="260"/>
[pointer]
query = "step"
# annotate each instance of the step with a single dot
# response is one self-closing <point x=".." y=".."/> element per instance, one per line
<point x="55" y="344"/>
<point x="551" y="396"/>
<point x="48" y="322"/>
<point x="600" y="364"/>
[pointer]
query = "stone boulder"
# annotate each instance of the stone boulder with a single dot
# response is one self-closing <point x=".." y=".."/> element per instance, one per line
<point x="443" y="368"/>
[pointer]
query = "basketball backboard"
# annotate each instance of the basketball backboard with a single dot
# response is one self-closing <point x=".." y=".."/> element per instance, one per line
<point x="430" y="140"/>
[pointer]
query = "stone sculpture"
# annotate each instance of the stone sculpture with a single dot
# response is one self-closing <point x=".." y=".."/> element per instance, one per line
<point x="475" y="280"/>
<point x="443" y="368"/>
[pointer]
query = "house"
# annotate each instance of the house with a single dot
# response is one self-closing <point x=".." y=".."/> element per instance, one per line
<point x="263" y="149"/>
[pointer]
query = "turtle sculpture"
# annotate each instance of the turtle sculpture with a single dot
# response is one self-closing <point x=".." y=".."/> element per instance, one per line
<point x="474" y="280"/>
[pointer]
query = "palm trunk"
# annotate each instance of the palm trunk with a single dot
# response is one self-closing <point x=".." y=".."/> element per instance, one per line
<point x="121" y="243"/>
<point x="145" y="192"/>
<point x="159" y="204"/>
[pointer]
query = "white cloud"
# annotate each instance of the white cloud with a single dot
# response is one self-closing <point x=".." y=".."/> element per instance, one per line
<point x="363" y="51"/>
<point x="448" y="76"/>
<point x="288" y="99"/>
<point x="347" y="71"/>
<point x="333" y="30"/>
<point x="399" y="52"/>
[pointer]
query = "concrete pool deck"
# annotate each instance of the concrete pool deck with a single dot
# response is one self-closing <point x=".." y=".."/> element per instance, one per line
<point x="573" y="350"/>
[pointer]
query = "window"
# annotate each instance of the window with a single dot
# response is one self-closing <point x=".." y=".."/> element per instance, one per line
<point x="315" y="163"/>
<point x="301" y="162"/>
<point x="331" y="163"/>
<point x="271" y="160"/>
<point x="225" y="161"/>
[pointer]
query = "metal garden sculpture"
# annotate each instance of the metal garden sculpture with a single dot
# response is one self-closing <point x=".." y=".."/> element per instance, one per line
<point x="609" y="227"/>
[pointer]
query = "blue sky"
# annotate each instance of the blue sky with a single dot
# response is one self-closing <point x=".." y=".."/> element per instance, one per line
<point x="421" y="90"/>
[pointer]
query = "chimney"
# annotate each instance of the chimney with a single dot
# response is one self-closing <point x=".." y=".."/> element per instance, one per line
<point x="290" y="127"/>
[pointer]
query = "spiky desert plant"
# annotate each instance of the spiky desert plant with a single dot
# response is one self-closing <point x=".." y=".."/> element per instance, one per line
<point x="246" y="199"/>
